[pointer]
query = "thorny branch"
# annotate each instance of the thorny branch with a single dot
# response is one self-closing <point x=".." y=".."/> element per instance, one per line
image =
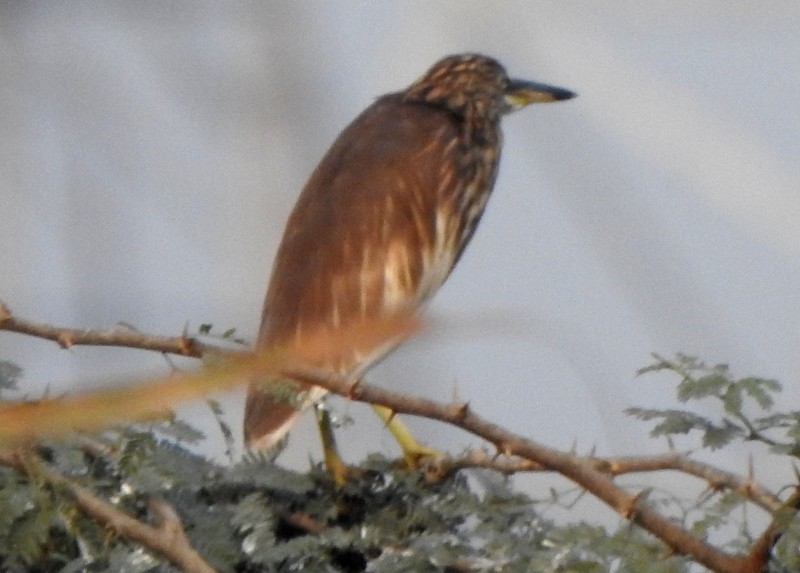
<point x="580" y="470"/>
<point x="592" y="473"/>
<point x="166" y="537"/>
<point x="68" y="337"/>
<point x="716" y="478"/>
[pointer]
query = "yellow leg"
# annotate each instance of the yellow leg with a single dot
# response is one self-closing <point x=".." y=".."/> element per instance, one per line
<point x="333" y="460"/>
<point x="413" y="451"/>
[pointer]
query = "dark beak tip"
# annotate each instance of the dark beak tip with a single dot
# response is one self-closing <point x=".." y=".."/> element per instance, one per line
<point x="560" y="94"/>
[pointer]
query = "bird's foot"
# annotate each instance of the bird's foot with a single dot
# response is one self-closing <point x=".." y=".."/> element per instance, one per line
<point x="416" y="454"/>
<point x="333" y="461"/>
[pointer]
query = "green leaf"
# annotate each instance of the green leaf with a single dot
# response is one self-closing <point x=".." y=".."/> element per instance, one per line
<point x="703" y="387"/>
<point x="672" y="421"/>
<point x="137" y="560"/>
<point x="761" y="390"/>
<point x="258" y="470"/>
<point x="27" y="539"/>
<point x="15" y="502"/>
<point x="715" y="437"/>
<point x="732" y="399"/>
<point x="792" y="425"/>
<point x="254" y="520"/>
<point x="224" y="428"/>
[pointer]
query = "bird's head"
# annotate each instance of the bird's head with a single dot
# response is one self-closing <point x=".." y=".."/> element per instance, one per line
<point x="476" y="86"/>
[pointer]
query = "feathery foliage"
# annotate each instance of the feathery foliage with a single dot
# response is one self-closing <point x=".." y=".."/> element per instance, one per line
<point x="255" y="516"/>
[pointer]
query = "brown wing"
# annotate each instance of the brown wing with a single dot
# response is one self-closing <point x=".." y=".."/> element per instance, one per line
<point x="362" y="239"/>
<point x="370" y="235"/>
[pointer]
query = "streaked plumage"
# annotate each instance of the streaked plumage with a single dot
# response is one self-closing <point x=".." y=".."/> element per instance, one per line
<point x="387" y="213"/>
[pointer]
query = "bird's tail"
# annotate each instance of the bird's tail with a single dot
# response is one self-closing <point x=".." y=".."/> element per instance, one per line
<point x="275" y="403"/>
<point x="272" y="408"/>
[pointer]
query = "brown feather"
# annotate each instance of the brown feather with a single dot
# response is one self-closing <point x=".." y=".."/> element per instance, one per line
<point x="352" y="227"/>
<point x="383" y="219"/>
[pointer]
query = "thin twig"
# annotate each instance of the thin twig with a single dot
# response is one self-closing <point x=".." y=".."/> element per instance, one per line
<point x="67" y="337"/>
<point x="716" y="478"/>
<point x="166" y="538"/>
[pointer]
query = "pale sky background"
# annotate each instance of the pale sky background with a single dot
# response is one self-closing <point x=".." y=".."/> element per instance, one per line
<point x="151" y="152"/>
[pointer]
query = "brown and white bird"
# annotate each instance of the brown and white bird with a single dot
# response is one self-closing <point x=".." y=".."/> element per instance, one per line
<point x="385" y="216"/>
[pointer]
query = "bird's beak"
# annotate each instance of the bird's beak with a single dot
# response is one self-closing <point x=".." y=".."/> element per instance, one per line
<point x="520" y="93"/>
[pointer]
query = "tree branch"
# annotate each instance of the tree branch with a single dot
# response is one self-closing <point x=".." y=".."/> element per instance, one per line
<point x="166" y="538"/>
<point x="591" y="473"/>
<point x="67" y="337"/>
<point x="575" y="468"/>
<point x="762" y="548"/>
<point x="716" y="478"/>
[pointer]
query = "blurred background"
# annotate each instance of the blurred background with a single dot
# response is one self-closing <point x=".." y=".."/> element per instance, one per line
<point x="151" y="152"/>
